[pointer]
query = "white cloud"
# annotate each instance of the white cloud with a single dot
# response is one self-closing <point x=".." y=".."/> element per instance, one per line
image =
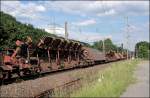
<point x="85" y="22"/>
<point x="88" y="37"/>
<point x="110" y="12"/>
<point x="18" y="9"/>
<point x="40" y="8"/>
<point x="59" y="31"/>
<point x="95" y="8"/>
<point x="90" y="8"/>
<point x="100" y="8"/>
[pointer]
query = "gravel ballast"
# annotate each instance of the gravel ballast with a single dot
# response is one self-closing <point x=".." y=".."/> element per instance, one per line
<point x="31" y="88"/>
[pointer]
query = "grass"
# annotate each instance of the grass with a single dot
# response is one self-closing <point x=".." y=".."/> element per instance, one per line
<point x="111" y="82"/>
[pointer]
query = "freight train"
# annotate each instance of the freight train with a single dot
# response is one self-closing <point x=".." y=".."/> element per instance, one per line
<point x="48" y="55"/>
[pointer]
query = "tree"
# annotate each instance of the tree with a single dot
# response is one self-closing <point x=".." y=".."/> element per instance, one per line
<point x="109" y="46"/>
<point x="11" y="29"/>
<point x="142" y="49"/>
<point x="98" y="45"/>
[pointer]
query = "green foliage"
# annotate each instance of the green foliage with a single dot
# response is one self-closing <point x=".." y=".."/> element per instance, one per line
<point x="108" y="45"/>
<point x="11" y="29"/>
<point x="98" y="45"/>
<point x="142" y="49"/>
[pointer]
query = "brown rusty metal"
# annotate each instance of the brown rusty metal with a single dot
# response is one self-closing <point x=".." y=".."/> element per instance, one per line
<point x="48" y="40"/>
<point x="59" y="51"/>
<point x="93" y="54"/>
<point x="49" y="57"/>
<point x="58" y="57"/>
<point x="56" y="43"/>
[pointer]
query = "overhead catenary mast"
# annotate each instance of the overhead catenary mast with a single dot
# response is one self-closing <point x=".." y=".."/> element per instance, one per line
<point x="66" y="30"/>
<point x="127" y="36"/>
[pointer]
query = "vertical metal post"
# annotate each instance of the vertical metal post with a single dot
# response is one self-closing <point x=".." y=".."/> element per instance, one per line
<point x="56" y="60"/>
<point x="38" y="59"/>
<point x="68" y="55"/>
<point x="78" y="56"/>
<point x="58" y="56"/>
<point x="28" y="54"/>
<point x="136" y="52"/>
<point x="104" y="46"/>
<point x="122" y="48"/>
<point x="66" y="31"/>
<point x="127" y="37"/>
<point x="49" y="57"/>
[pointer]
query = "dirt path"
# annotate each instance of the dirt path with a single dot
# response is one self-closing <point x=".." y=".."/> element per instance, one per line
<point x="141" y="87"/>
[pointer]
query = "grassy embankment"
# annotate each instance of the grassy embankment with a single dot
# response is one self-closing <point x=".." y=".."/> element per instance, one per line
<point x="110" y="82"/>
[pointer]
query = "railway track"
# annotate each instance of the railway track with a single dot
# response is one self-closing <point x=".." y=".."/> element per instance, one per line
<point x="66" y="87"/>
<point x="42" y="74"/>
<point x="46" y="85"/>
<point x="30" y="77"/>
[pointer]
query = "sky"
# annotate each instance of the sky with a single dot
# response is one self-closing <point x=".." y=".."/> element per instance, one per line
<point x="88" y="21"/>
